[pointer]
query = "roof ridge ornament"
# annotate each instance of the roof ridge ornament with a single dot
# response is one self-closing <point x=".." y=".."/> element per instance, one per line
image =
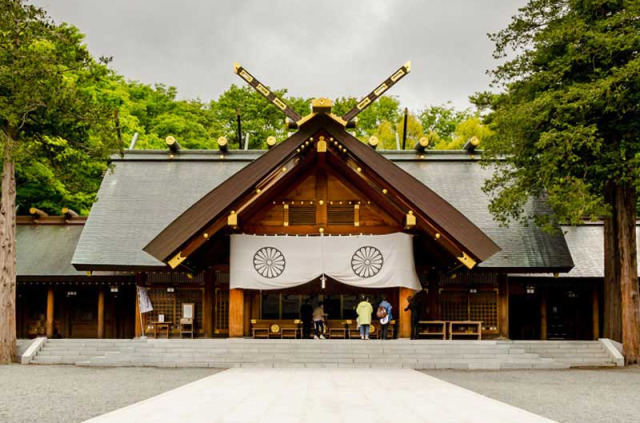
<point x="322" y="105"/>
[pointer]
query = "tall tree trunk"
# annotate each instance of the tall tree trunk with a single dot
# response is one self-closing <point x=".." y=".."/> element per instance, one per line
<point x="8" y="256"/>
<point x="612" y="291"/>
<point x="628" y="261"/>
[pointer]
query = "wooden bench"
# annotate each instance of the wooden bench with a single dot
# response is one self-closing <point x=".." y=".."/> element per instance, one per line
<point x="338" y="329"/>
<point x="465" y="329"/>
<point x="429" y="328"/>
<point x="275" y="328"/>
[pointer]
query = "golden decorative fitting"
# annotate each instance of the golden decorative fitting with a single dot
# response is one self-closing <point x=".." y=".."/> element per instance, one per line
<point x="284" y="169"/>
<point x="466" y="260"/>
<point x="475" y="141"/>
<point x="89" y="273"/>
<point x="356" y="215"/>
<point x="285" y="215"/>
<point x="176" y="260"/>
<point x="271" y="141"/>
<point x="321" y="230"/>
<point x="359" y="169"/>
<point x="384" y="191"/>
<point x="222" y="141"/>
<point x="330" y="138"/>
<point x="205" y="235"/>
<point x="189" y="275"/>
<point x="258" y="191"/>
<point x="321" y="105"/>
<point x="310" y="139"/>
<point x="321" y="202"/>
<point x="232" y="220"/>
<point x="410" y="220"/>
<point x="437" y="236"/>
<point x="322" y="145"/>
<point x="556" y="275"/>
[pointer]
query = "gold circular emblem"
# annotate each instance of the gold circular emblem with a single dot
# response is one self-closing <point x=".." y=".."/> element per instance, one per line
<point x="275" y="328"/>
<point x="372" y="329"/>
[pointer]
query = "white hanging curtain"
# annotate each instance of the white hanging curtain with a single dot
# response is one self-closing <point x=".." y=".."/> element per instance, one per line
<point x="280" y="262"/>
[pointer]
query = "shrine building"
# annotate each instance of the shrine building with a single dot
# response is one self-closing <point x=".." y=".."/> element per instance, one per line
<point x="243" y="238"/>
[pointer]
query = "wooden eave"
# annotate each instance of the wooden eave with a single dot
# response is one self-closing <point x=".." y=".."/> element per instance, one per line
<point x="209" y="215"/>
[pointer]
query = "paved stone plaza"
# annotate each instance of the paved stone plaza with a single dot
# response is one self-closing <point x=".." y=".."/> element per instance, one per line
<point x="69" y="394"/>
<point x="320" y="395"/>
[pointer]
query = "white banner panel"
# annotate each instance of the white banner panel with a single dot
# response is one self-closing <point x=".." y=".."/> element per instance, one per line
<point x="279" y="262"/>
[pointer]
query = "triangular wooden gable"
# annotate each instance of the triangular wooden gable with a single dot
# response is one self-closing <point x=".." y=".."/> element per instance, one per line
<point x="321" y="142"/>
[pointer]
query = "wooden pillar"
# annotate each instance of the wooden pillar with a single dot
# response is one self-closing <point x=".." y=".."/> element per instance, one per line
<point x="543" y="315"/>
<point x="100" y="312"/>
<point x="207" y="312"/>
<point x="404" y="317"/>
<point x="503" y="306"/>
<point x="138" y="327"/>
<point x="236" y="313"/>
<point x="49" y="329"/>
<point x="595" y="306"/>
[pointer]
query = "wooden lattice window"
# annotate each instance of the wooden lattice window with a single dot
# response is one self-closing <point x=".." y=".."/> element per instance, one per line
<point x="302" y="215"/>
<point x="341" y="214"/>
<point x="483" y="307"/>
<point x="454" y="305"/>
<point x="221" y="311"/>
<point x="190" y="296"/>
<point x="163" y="303"/>
<point x="478" y="307"/>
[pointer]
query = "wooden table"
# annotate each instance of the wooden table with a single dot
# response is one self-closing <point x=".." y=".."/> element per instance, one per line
<point x="465" y="328"/>
<point x="426" y="328"/>
<point x="159" y="326"/>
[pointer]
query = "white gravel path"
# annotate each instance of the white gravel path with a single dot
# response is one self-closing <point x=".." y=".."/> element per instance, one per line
<point x="69" y="394"/>
<point x="568" y="396"/>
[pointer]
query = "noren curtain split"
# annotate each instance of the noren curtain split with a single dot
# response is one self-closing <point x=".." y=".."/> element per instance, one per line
<point x="280" y="262"/>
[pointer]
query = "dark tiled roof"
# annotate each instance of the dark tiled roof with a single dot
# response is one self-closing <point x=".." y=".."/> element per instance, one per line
<point x="209" y="208"/>
<point x="146" y="191"/>
<point x="46" y="250"/>
<point x="586" y="243"/>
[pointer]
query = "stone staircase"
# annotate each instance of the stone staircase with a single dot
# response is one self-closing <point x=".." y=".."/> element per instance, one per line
<point x="422" y="354"/>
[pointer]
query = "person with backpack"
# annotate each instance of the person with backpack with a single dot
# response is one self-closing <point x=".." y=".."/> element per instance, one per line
<point x="318" y="321"/>
<point x="364" y="310"/>
<point x="384" y="314"/>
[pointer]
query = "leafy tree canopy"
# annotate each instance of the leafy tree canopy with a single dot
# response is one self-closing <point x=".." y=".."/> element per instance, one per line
<point x="568" y="118"/>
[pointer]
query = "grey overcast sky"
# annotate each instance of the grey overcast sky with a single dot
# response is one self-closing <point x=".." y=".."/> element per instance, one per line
<point x="328" y="48"/>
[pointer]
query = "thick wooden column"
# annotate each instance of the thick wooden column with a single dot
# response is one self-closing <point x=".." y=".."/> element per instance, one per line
<point x="543" y="315"/>
<point x="236" y="313"/>
<point x="100" y="312"/>
<point x="503" y="306"/>
<point x="138" y="326"/>
<point x="404" y="317"/>
<point x="49" y="327"/>
<point x="207" y="312"/>
<point x="595" y="306"/>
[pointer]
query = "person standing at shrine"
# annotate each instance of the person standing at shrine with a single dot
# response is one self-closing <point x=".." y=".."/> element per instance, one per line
<point x="306" y="317"/>
<point x="364" y="310"/>
<point x="384" y="314"/>
<point x="318" y="321"/>
<point x="414" y="306"/>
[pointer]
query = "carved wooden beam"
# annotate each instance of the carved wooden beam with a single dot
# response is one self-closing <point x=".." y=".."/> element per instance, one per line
<point x="377" y="93"/>
<point x="266" y="93"/>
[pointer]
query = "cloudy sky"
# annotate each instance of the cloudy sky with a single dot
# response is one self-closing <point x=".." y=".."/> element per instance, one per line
<point x="315" y="48"/>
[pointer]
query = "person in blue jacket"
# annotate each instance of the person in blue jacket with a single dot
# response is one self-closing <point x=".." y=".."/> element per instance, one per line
<point x="384" y="316"/>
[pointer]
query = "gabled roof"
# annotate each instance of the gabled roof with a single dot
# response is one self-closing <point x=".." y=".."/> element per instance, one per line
<point x="146" y="190"/>
<point x="45" y="250"/>
<point x="426" y="202"/>
<point x="586" y="244"/>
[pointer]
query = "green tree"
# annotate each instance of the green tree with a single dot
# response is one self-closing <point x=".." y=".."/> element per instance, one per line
<point x="49" y="120"/>
<point x="465" y="130"/>
<point x="568" y="123"/>
<point x="259" y="118"/>
<point x="443" y="120"/>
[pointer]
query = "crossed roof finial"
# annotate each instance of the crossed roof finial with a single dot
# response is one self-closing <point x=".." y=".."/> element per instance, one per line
<point x="348" y="120"/>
